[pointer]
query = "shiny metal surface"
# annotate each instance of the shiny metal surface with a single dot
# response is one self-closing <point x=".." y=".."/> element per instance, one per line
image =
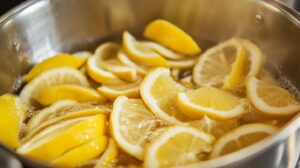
<point x="38" y="29"/>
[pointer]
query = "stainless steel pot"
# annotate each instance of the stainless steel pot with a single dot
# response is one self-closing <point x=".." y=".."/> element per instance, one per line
<point x="38" y="29"/>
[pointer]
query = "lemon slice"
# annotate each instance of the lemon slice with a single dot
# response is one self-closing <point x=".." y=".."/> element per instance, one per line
<point x="122" y="57"/>
<point x="241" y="137"/>
<point x="82" y="54"/>
<point x="122" y="71"/>
<point x="165" y="52"/>
<point x="271" y="99"/>
<point x="95" y="64"/>
<point x="178" y="146"/>
<point x="214" y="127"/>
<point x="62" y="110"/>
<point x="52" y="77"/>
<point x="140" y="53"/>
<point x="215" y="103"/>
<point x="74" y="92"/>
<point x="60" y="60"/>
<point x="159" y="92"/>
<point x="183" y="63"/>
<point x="12" y="116"/>
<point x="221" y="65"/>
<point x="130" y="123"/>
<point x="57" y="139"/>
<point x="131" y="90"/>
<point x="81" y="154"/>
<point x="109" y="157"/>
<point x="41" y="115"/>
<point x="171" y="36"/>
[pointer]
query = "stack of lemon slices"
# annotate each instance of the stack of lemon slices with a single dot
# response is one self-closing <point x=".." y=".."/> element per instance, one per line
<point x="160" y="102"/>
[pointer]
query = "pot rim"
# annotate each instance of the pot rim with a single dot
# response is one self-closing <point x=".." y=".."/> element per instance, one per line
<point x="226" y="160"/>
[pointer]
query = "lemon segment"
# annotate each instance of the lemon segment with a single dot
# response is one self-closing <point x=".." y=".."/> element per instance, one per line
<point x="271" y="99"/>
<point x="52" y="77"/>
<point x="79" y="155"/>
<point x="241" y="137"/>
<point x="54" y="141"/>
<point x="159" y="92"/>
<point x="78" y="93"/>
<point x="171" y="36"/>
<point x="122" y="71"/>
<point x="140" y="53"/>
<point x="178" y="146"/>
<point x="183" y="63"/>
<point x="109" y="157"/>
<point x="130" y="123"/>
<point x="12" y="116"/>
<point x="124" y="59"/>
<point x="215" y="103"/>
<point x="60" y="60"/>
<point x="131" y="90"/>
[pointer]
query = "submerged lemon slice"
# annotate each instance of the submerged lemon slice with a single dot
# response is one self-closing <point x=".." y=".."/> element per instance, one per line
<point x="215" y="103"/>
<point x="178" y="146"/>
<point x="270" y="99"/>
<point x="109" y="157"/>
<point x="171" y="36"/>
<point x="74" y="92"/>
<point x="141" y="53"/>
<point x="60" y="60"/>
<point x="159" y="92"/>
<point x="12" y="116"/>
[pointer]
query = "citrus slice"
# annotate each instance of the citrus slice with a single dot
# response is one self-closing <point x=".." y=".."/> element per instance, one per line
<point x="221" y="65"/>
<point x="131" y="90"/>
<point x="159" y="92"/>
<point x="130" y="123"/>
<point x="58" y="139"/>
<point x="183" y="63"/>
<point x="122" y="71"/>
<point x="83" y="54"/>
<point x="60" y="60"/>
<point x="74" y="92"/>
<point x="271" y="99"/>
<point x="178" y="146"/>
<point x="215" y="103"/>
<point x="109" y="157"/>
<point x="81" y="154"/>
<point x="165" y="52"/>
<point x="122" y="57"/>
<point x="214" y="127"/>
<point x="140" y="53"/>
<point x="42" y="115"/>
<point x="95" y="64"/>
<point x="12" y="116"/>
<point x="171" y="36"/>
<point x="52" y="77"/>
<point x="241" y="137"/>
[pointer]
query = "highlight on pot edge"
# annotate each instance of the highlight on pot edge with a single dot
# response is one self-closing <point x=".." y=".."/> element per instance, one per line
<point x="156" y="102"/>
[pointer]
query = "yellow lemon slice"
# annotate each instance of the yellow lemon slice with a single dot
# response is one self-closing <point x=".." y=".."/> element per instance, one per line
<point x="165" y="52"/>
<point x="58" y="139"/>
<point x="131" y="122"/>
<point x="270" y="99"/>
<point x="109" y="157"/>
<point x="122" y="71"/>
<point x="178" y="146"/>
<point x="81" y="154"/>
<point x="241" y="137"/>
<point x="171" y="36"/>
<point x="53" y="77"/>
<point x="215" y="103"/>
<point x="74" y="92"/>
<point x="183" y="63"/>
<point x="221" y="65"/>
<point x="159" y="92"/>
<point x="140" y="53"/>
<point x="60" y="60"/>
<point x="12" y="115"/>
<point x="131" y="90"/>
<point x="95" y="68"/>
<point x="122" y="57"/>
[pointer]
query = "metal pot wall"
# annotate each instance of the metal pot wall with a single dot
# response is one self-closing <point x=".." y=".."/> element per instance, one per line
<point x="38" y="29"/>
